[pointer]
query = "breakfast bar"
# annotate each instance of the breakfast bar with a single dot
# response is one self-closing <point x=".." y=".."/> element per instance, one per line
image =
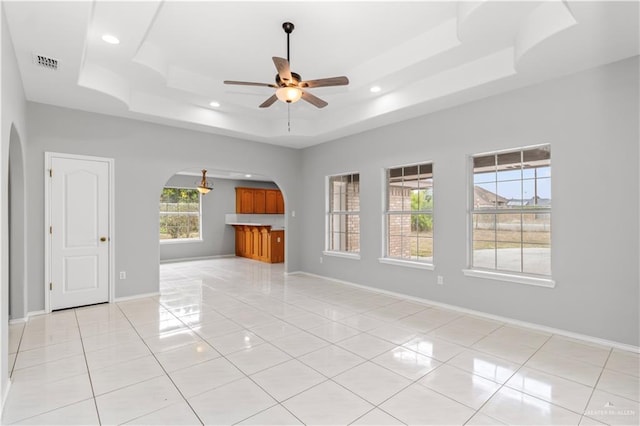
<point x="259" y="242"/>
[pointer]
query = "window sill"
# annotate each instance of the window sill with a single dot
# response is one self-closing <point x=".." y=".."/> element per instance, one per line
<point x="181" y="240"/>
<point x="514" y="278"/>
<point x="407" y="263"/>
<point x="345" y="255"/>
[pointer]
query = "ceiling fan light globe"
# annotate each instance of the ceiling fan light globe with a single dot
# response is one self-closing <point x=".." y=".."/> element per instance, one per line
<point x="289" y="94"/>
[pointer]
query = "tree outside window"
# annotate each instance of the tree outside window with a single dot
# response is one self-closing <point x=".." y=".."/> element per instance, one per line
<point x="180" y="216"/>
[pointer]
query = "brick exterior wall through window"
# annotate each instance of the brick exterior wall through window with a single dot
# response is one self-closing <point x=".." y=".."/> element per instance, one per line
<point x="399" y="224"/>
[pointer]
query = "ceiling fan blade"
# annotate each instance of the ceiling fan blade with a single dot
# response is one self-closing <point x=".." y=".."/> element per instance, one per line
<point x="313" y="100"/>
<point x="284" y="71"/>
<point x="269" y="102"/>
<point x="326" y="82"/>
<point x="248" y="83"/>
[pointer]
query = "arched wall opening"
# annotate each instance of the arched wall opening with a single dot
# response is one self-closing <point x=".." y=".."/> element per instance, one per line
<point x="218" y="210"/>
<point x="17" y="229"/>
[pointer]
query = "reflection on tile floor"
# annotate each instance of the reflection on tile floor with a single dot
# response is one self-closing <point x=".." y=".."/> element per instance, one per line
<point x="232" y="341"/>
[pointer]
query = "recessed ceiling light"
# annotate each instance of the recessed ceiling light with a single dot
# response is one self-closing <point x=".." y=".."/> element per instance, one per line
<point x="108" y="38"/>
<point x="214" y="104"/>
<point x="247" y="175"/>
<point x="375" y="89"/>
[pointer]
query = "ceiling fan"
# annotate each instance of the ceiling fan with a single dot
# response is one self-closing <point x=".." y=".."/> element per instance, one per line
<point x="289" y="85"/>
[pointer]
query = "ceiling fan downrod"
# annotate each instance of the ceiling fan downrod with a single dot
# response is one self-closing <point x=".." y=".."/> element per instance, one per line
<point x="288" y="28"/>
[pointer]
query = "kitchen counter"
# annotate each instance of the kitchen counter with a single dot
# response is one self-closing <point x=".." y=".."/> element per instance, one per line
<point x="259" y="241"/>
<point x="273" y="228"/>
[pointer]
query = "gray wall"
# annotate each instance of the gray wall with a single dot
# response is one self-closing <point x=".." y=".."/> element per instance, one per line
<point x="12" y="131"/>
<point x="218" y="239"/>
<point x="17" y="228"/>
<point x="146" y="155"/>
<point x="591" y="121"/>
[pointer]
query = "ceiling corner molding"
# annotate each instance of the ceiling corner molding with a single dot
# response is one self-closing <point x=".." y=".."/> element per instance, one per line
<point x="547" y="20"/>
<point x="465" y="10"/>
<point x="426" y="46"/>
<point x="150" y="56"/>
<point x="103" y="80"/>
<point x="188" y="81"/>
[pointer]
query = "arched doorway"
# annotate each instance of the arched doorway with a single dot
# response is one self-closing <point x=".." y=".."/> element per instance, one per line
<point x="215" y="238"/>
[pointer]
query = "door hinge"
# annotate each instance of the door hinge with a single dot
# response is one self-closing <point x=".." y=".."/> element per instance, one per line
<point x="51" y="229"/>
<point x="50" y="172"/>
<point x="50" y="286"/>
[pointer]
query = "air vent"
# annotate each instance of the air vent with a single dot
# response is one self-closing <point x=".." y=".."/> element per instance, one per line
<point x="46" y="62"/>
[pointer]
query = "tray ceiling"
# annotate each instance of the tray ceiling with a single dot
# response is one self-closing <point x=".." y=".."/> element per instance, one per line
<point x="424" y="56"/>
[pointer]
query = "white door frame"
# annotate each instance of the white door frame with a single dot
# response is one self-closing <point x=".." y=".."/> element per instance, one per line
<point x="48" y="156"/>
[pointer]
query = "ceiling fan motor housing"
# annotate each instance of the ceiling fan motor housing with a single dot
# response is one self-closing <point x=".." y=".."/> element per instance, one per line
<point x="295" y="79"/>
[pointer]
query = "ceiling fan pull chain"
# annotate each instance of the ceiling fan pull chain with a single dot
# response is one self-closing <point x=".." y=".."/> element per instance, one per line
<point x="289" y="117"/>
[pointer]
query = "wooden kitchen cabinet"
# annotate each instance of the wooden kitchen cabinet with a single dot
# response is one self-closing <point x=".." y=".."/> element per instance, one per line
<point x="239" y="240"/>
<point x="277" y="247"/>
<point x="260" y="243"/>
<point x="244" y="200"/>
<point x="259" y="201"/>
<point x="247" y="247"/>
<point x="279" y="203"/>
<point x="271" y="201"/>
<point x="264" y="253"/>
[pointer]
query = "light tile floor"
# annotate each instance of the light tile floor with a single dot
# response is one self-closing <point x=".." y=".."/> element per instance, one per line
<point x="232" y="341"/>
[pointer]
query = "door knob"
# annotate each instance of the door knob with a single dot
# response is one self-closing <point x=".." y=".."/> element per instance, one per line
<point x="103" y="239"/>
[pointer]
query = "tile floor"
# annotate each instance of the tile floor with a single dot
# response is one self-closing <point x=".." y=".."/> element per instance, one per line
<point x="232" y="341"/>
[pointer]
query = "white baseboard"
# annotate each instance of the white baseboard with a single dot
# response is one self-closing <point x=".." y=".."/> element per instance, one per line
<point x="26" y="319"/>
<point x="191" y="259"/>
<point x="137" y="296"/>
<point x="296" y="273"/>
<point x="543" y="328"/>
<point x="35" y="314"/>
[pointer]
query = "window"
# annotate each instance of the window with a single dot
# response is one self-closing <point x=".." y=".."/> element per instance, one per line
<point x="343" y="216"/>
<point x="180" y="214"/>
<point x="409" y="213"/>
<point x="511" y="211"/>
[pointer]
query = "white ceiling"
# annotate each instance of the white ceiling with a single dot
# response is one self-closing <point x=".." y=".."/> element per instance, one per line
<point x="425" y="56"/>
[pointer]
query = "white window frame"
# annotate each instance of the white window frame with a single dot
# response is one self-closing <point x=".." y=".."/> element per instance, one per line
<point x="185" y="240"/>
<point x="385" y="258"/>
<point x="499" y="274"/>
<point x="329" y="251"/>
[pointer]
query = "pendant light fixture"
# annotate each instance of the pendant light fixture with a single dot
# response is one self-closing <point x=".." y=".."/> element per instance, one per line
<point x="204" y="186"/>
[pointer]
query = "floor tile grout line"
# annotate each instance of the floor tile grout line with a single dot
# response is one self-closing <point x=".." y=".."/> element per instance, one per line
<point x="342" y="372"/>
<point x="533" y="368"/>
<point x="502" y="385"/>
<point x="277" y="404"/>
<point x="165" y="372"/>
<point x="84" y="355"/>
<point x="498" y="357"/>
<point x="326" y="378"/>
<point x="15" y="360"/>
<point x="525" y="393"/>
<point x="373" y="409"/>
<point x="74" y="375"/>
<point x="595" y="385"/>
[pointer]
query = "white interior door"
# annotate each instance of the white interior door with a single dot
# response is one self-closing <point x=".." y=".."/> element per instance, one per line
<point x="79" y="234"/>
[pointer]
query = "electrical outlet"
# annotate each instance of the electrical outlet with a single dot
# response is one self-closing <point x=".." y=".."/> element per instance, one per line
<point x="123" y="275"/>
<point x="440" y="280"/>
<point x="321" y="259"/>
<point x="293" y="213"/>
